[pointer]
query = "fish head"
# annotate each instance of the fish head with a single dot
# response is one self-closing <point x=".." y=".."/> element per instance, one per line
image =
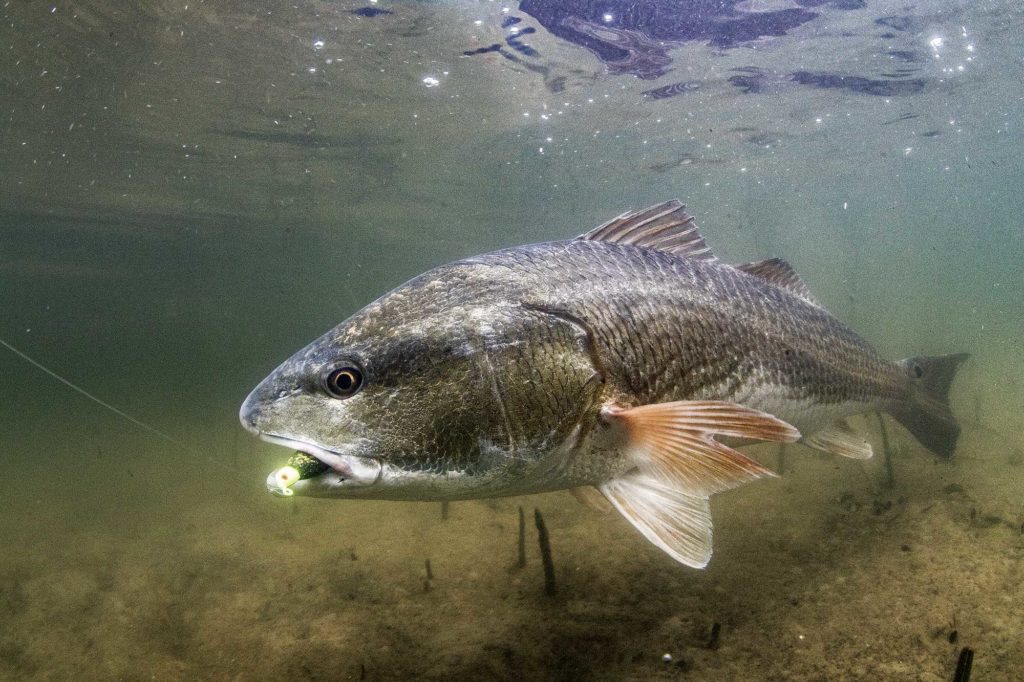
<point x="447" y="387"/>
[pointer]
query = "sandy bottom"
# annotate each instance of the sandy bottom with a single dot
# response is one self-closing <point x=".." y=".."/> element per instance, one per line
<point x="825" y="573"/>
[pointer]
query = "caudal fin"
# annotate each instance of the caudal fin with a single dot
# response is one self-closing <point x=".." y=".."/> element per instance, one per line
<point x="927" y="415"/>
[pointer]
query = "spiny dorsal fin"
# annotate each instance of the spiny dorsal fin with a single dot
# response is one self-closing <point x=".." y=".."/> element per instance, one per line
<point x="665" y="227"/>
<point x="781" y="274"/>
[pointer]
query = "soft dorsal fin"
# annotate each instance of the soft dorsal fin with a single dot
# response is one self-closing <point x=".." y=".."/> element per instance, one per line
<point x="781" y="274"/>
<point x="665" y="227"/>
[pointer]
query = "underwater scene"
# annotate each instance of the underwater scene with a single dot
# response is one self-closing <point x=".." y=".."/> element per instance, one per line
<point x="231" y="453"/>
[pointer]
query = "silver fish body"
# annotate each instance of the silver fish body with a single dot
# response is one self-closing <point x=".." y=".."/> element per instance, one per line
<point x="609" y="361"/>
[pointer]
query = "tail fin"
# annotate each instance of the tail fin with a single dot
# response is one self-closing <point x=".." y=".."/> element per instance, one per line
<point x="926" y="415"/>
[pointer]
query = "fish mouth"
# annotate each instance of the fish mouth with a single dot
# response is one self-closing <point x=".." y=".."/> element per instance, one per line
<point x="347" y="470"/>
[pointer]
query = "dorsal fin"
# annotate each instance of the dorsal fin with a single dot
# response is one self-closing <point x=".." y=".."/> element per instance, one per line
<point x="781" y="274"/>
<point x="665" y="227"/>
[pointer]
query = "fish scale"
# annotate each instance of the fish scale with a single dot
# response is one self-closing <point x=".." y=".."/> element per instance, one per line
<point x="654" y="303"/>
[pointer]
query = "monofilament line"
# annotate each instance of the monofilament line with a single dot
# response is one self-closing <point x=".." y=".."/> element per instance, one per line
<point x="142" y="425"/>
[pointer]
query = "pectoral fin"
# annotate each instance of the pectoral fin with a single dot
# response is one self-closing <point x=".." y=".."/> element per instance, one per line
<point x="674" y="442"/>
<point x="839" y="439"/>
<point x="680" y="465"/>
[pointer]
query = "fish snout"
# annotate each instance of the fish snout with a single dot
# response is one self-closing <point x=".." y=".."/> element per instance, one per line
<point x="251" y="412"/>
<point x="248" y="419"/>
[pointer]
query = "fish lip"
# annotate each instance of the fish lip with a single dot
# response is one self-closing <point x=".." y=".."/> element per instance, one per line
<point x="358" y="470"/>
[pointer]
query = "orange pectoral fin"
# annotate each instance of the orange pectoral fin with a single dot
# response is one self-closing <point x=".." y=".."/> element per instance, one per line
<point x="675" y="442"/>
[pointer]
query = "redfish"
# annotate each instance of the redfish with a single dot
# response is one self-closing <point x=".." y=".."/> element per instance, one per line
<point x="613" y="364"/>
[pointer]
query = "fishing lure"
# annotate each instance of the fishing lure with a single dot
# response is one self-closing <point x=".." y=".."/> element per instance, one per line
<point x="300" y="466"/>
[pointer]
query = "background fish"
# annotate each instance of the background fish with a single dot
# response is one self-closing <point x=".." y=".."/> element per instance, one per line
<point x="610" y="361"/>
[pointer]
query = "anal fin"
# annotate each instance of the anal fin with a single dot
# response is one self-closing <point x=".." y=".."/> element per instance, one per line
<point x="839" y="439"/>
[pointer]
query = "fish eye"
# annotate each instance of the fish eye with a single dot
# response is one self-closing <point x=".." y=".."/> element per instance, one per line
<point x="344" y="381"/>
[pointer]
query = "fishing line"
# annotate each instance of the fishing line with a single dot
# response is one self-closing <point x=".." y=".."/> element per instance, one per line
<point x="151" y="429"/>
<point x="90" y="396"/>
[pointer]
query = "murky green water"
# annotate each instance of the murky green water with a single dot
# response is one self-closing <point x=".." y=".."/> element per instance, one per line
<point x="189" y="192"/>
